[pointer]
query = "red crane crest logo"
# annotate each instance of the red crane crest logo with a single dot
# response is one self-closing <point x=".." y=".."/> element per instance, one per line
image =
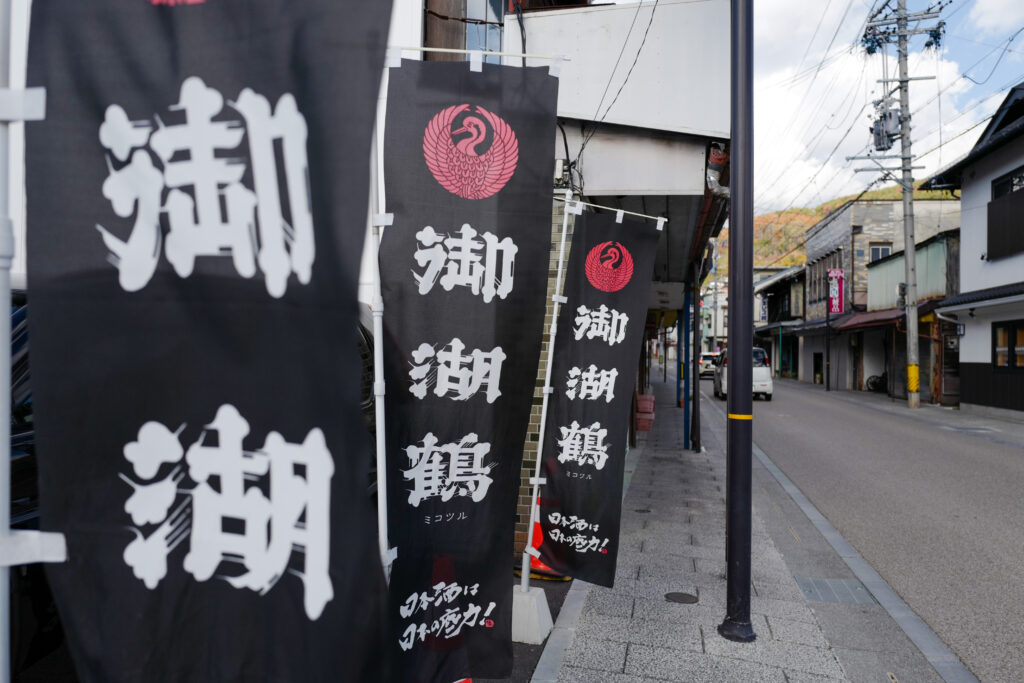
<point x="609" y="266"/>
<point x="471" y="152"/>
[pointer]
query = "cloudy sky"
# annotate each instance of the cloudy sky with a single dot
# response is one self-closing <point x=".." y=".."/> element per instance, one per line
<point x="815" y="91"/>
<point x="815" y="87"/>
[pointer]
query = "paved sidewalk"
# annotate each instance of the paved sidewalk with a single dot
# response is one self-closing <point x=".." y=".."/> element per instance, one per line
<point x="673" y="541"/>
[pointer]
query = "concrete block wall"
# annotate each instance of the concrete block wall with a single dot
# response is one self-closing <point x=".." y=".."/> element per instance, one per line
<point x="878" y="222"/>
<point x="533" y="431"/>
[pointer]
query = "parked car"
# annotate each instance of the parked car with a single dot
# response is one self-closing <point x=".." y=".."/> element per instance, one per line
<point x="762" y="375"/>
<point x="707" y="364"/>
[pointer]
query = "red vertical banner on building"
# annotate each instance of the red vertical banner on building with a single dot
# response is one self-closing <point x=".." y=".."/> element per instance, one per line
<point x="836" y="300"/>
<point x="600" y="336"/>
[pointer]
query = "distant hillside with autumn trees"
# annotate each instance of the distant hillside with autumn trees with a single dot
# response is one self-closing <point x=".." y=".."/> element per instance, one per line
<point x="779" y="235"/>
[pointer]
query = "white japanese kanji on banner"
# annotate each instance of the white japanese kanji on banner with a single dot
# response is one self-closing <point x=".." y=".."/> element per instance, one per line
<point x="607" y="282"/>
<point x="183" y="171"/>
<point x="196" y="202"/>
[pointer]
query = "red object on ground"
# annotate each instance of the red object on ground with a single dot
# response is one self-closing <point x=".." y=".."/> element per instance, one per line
<point x="645" y="403"/>
<point x="538" y="537"/>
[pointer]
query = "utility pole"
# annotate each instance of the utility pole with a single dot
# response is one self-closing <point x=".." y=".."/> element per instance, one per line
<point x="879" y="32"/>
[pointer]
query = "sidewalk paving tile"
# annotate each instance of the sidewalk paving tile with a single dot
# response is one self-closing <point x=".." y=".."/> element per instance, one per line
<point x="774" y="653"/>
<point x="572" y="674"/>
<point x="789" y="631"/>
<point x="676" y="543"/>
<point x="595" y="653"/>
<point x="694" y="668"/>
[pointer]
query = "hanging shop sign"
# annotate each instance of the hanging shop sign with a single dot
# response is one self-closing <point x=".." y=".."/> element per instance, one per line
<point x="196" y="209"/>
<point x="601" y="330"/>
<point x="464" y="269"/>
<point x="835" y="291"/>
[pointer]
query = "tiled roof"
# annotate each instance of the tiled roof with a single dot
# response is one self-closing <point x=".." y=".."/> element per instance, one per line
<point x="1000" y="292"/>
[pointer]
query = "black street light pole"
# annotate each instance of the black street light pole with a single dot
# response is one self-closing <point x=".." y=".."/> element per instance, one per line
<point x="737" y="624"/>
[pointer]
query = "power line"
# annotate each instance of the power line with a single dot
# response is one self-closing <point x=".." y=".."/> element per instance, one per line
<point x="803" y="242"/>
<point x="994" y="66"/>
<point x="807" y="92"/>
<point x="918" y="110"/>
<point x="636" y="58"/>
<point x="815" y="34"/>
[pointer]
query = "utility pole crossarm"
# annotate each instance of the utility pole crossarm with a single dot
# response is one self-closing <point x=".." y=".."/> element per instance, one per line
<point x="916" y="16"/>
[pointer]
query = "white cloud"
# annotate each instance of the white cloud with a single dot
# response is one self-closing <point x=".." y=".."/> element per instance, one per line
<point x="806" y="126"/>
<point x="995" y="16"/>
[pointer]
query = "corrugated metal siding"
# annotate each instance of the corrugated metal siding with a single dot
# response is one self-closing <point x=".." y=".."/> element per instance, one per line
<point x="883" y="278"/>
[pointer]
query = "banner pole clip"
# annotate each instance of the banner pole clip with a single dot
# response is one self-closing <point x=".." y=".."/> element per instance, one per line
<point x="21" y="547"/>
<point x="530" y="550"/>
<point x="383" y="220"/>
<point x="555" y="68"/>
<point x="538" y="481"/>
<point x="393" y="58"/>
<point x="549" y="390"/>
<point x="559" y="299"/>
<point x="476" y="60"/>
<point x="619" y="215"/>
<point x="661" y="223"/>
<point x="22" y="105"/>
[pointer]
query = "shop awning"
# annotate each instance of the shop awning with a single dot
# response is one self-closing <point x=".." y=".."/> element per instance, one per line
<point x="889" y="316"/>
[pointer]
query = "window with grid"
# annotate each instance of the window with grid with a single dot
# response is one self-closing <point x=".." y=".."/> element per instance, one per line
<point x="880" y="251"/>
<point x="1008" y="345"/>
<point x="485" y="36"/>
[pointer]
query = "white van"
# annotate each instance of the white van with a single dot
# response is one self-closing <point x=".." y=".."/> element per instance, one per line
<point x="761" y="371"/>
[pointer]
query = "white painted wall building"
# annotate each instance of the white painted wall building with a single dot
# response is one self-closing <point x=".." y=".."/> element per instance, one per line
<point x="991" y="301"/>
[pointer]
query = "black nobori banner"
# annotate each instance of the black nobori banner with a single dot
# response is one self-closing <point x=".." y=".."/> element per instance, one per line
<point x="468" y="167"/>
<point x="196" y="212"/>
<point x="600" y="333"/>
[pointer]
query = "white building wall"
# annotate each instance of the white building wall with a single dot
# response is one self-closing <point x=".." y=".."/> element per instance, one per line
<point x="976" y="272"/>
<point x="680" y="83"/>
<point x="635" y="162"/>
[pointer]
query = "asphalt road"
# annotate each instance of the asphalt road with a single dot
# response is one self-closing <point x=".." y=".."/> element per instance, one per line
<point x="932" y="499"/>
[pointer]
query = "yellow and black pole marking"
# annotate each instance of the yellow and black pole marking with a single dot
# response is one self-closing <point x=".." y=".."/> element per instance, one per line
<point x="734" y="416"/>
<point x="913" y="379"/>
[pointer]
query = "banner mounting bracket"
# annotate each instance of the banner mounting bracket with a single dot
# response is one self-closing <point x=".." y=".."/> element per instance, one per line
<point x="22" y="105"/>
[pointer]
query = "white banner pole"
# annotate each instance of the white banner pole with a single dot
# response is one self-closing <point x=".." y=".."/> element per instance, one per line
<point x="6" y="254"/>
<point x="379" y="221"/>
<point x="16" y="547"/>
<point x="557" y="298"/>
